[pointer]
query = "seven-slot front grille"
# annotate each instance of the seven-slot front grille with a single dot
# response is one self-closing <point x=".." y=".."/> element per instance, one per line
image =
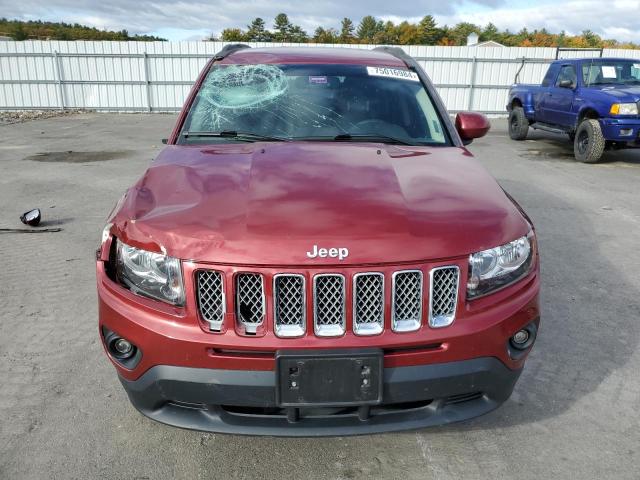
<point x="290" y="319"/>
<point x="407" y="301"/>
<point x="444" y="296"/>
<point x="368" y="303"/>
<point x="211" y="297"/>
<point x="250" y="304"/>
<point x="329" y="302"/>
<point x="328" y="305"/>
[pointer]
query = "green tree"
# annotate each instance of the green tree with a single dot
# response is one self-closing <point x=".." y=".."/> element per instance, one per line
<point x="368" y="28"/>
<point x="282" y="28"/>
<point x="428" y="32"/>
<point x="388" y="34"/>
<point x="490" y="32"/>
<point x="461" y="31"/>
<point x="322" y="35"/>
<point x="233" y="35"/>
<point x="257" y="32"/>
<point x="591" y="39"/>
<point x="346" y="31"/>
<point x="19" y="33"/>
<point x="298" y="35"/>
<point x="408" y="33"/>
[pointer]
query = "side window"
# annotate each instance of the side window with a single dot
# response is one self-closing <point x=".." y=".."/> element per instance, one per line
<point x="567" y="72"/>
<point x="433" y="121"/>
<point x="551" y="75"/>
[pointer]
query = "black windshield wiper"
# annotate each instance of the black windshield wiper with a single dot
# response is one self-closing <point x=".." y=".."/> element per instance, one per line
<point x="371" y="137"/>
<point x="243" y="136"/>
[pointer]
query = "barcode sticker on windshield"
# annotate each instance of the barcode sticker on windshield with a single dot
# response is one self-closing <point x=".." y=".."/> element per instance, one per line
<point x="393" y="73"/>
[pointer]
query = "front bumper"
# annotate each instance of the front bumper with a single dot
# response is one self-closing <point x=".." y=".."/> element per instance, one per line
<point x="622" y="130"/>
<point x="187" y="377"/>
<point x="244" y="402"/>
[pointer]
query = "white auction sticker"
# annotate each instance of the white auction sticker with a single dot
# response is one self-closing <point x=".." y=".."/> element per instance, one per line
<point x="608" y="71"/>
<point x="393" y="73"/>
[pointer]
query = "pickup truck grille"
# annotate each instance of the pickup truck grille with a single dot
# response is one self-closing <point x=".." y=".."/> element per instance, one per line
<point x="329" y="303"/>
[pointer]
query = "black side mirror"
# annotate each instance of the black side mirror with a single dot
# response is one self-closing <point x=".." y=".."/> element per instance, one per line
<point x="566" y="83"/>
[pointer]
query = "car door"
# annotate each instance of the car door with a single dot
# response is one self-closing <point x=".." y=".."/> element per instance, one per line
<point x="540" y="94"/>
<point x="558" y="102"/>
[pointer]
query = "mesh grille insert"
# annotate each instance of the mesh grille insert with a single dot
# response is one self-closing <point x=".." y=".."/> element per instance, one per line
<point x="211" y="298"/>
<point x="250" y="300"/>
<point x="368" y="303"/>
<point x="407" y="301"/>
<point x="289" y="305"/>
<point x="329" y="308"/>
<point x="444" y="296"/>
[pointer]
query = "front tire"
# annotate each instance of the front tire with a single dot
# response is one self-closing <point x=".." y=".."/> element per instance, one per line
<point x="589" y="143"/>
<point x="518" y="124"/>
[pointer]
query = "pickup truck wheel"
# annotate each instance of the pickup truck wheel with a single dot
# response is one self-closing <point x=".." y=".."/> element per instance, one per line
<point x="518" y="124"/>
<point x="588" y="145"/>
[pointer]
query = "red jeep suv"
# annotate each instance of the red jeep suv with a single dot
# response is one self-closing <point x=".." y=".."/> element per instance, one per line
<point x="315" y="252"/>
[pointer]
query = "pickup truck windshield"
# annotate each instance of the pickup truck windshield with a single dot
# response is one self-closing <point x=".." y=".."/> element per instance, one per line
<point x="313" y="102"/>
<point x="603" y="72"/>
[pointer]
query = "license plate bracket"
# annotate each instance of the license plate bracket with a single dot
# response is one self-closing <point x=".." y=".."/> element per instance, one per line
<point x="329" y="378"/>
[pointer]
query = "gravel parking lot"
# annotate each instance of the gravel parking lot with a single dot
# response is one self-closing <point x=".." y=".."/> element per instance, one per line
<point x="63" y="414"/>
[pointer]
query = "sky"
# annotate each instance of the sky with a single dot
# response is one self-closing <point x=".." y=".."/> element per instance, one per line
<point x="179" y="20"/>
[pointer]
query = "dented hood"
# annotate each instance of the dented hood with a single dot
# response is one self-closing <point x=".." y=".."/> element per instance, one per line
<point x="270" y="203"/>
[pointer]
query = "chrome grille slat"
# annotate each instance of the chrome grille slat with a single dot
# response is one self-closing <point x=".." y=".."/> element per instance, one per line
<point x="329" y="305"/>
<point x="250" y="302"/>
<point x="443" y="296"/>
<point x="406" y="301"/>
<point x="210" y="295"/>
<point x="329" y="301"/>
<point x="289" y="304"/>
<point x="368" y="303"/>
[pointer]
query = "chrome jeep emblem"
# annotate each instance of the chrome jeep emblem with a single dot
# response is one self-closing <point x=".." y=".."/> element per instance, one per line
<point x="339" y="253"/>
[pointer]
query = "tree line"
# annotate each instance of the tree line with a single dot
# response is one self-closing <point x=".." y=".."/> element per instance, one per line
<point x="39" y="30"/>
<point x="426" y="32"/>
<point x="369" y="30"/>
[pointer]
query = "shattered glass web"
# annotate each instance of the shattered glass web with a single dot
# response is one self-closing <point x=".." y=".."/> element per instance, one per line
<point x="230" y="95"/>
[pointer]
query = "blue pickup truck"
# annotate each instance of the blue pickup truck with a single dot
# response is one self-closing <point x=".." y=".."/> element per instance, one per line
<point x="596" y="101"/>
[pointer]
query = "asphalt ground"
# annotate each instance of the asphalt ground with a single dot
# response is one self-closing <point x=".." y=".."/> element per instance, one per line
<point x="63" y="413"/>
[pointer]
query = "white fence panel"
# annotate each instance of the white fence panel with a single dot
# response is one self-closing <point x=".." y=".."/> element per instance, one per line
<point x="157" y="76"/>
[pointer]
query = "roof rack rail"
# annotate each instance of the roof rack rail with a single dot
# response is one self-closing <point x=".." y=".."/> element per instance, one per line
<point x="399" y="53"/>
<point x="600" y="51"/>
<point x="229" y="49"/>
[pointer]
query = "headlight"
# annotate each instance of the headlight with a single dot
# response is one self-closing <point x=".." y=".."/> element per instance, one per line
<point x="624" y="109"/>
<point x="150" y="274"/>
<point x="498" y="267"/>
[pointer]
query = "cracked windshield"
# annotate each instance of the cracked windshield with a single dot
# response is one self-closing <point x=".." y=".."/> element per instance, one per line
<point x="313" y="102"/>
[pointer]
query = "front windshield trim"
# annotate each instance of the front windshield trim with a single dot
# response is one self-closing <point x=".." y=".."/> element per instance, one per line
<point x="432" y="119"/>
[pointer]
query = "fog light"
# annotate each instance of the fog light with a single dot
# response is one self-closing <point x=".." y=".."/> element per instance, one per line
<point x="121" y="348"/>
<point x="626" y="132"/>
<point x="521" y="337"/>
